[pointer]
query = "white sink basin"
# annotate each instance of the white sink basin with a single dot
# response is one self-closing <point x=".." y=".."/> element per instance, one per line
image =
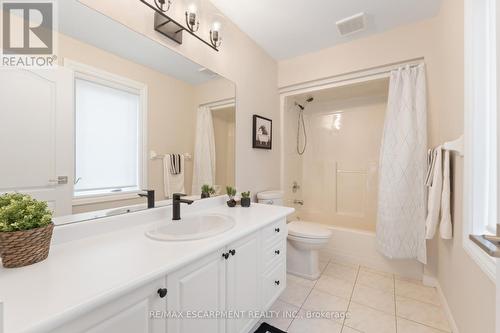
<point x="192" y="227"/>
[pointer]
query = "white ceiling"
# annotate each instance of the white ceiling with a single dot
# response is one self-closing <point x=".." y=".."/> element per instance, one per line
<point x="288" y="28"/>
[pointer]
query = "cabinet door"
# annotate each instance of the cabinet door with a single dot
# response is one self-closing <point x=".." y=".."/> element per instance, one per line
<point x="141" y="310"/>
<point x="243" y="271"/>
<point x="197" y="290"/>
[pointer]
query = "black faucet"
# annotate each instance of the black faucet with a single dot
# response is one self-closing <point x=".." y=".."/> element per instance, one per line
<point x="176" y="209"/>
<point x="150" y="194"/>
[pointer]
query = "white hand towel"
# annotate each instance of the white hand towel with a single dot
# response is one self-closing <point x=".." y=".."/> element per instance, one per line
<point x="445" y="227"/>
<point x="172" y="183"/>
<point x="434" y="199"/>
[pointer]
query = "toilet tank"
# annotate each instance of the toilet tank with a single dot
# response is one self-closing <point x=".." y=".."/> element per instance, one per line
<point x="274" y="197"/>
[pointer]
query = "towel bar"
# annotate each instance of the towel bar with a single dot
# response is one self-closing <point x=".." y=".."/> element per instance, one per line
<point x="455" y="145"/>
<point x="154" y="156"/>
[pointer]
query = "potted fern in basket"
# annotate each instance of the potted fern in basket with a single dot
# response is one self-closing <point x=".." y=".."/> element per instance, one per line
<point x="25" y="230"/>
<point x="231" y="192"/>
<point x="245" y="199"/>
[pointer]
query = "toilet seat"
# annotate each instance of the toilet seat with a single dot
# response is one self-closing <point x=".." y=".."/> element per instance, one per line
<point x="300" y="229"/>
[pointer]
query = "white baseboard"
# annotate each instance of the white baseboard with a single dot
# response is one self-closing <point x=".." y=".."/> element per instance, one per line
<point x="430" y="281"/>
<point x="446" y="308"/>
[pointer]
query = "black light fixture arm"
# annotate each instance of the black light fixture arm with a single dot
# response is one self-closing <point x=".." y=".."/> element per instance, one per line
<point x="180" y="27"/>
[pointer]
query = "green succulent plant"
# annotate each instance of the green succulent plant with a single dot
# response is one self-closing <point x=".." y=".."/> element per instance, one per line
<point x="245" y="194"/>
<point x="22" y="212"/>
<point x="207" y="189"/>
<point x="231" y="191"/>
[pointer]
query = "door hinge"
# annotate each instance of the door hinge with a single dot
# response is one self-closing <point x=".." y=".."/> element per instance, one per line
<point x="61" y="180"/>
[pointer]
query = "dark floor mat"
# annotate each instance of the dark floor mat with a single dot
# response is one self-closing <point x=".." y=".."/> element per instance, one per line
<point x="266" y="328"/>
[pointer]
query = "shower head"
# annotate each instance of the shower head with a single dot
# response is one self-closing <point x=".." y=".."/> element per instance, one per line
<point x="309" y="99"/>
<point x="300" y="106"/>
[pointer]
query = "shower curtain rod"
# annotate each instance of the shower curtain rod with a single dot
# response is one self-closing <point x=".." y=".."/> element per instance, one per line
<point x="358" y="75"/>
<point x="220" y="103"/>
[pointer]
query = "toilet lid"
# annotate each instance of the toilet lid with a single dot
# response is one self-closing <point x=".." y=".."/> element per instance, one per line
<point x="308" y="230"/>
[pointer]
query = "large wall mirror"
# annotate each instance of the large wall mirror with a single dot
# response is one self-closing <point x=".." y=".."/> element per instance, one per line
<point x="119" y="115"/>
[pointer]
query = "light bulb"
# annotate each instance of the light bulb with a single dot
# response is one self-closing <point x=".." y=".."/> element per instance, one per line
<point x="192" y="9"/>
<point x="216" y="26"/>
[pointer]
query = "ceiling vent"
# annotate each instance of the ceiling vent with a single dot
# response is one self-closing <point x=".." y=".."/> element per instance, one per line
<point x="351" y="24"/>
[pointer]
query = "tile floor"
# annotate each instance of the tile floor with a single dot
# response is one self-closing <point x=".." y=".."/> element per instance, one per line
<point x="372" y="301"/>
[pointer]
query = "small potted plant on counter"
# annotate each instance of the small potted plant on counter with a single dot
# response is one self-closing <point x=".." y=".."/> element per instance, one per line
<point x="245" y="199"/>
<point x="231" y="192"/>
<point x="25" y="230"/>
<point x="207" y="191"/>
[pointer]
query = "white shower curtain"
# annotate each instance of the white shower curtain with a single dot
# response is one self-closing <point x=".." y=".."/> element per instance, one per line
<point x="403" y="163"/>
<point x="204" y="150"/>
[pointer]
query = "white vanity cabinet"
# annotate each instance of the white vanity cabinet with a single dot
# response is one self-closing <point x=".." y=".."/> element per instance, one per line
<point x="243" y="282"/>
<point x="240" y="278"/>
<point x="273" y="276"/>
<point x="130" y="313"/>
<point x="214" y="294"/>
<point x="226" y="281"/>
<point x="200" y="286"/>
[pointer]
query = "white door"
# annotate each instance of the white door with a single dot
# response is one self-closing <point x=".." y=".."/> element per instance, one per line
<point x="36" y="141"/>
<point x="243" y="271"/>
<point x="195" y="291"/>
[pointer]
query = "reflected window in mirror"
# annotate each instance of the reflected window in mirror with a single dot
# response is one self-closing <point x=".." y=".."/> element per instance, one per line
<point x="108" y="135"/>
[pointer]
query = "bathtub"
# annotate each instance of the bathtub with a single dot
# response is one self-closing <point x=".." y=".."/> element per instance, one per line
<point x="357" y="246"/>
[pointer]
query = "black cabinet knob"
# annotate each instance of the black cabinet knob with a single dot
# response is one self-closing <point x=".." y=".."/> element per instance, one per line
<point x="225" y="255"/>
<point x="277" y="251"/>
<point x="162" y="292"/>
<point x="277" y="282"/>
<point x="232" y="252"/>
<point x="277" y="229"/>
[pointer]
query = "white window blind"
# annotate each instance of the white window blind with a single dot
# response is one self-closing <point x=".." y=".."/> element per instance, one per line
<point x="107" y="152"/>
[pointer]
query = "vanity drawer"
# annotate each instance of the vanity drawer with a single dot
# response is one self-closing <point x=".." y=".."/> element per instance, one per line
<point x="275" y="231"/>
<point x="274" y="252"/>
<point x="274" y="282"/>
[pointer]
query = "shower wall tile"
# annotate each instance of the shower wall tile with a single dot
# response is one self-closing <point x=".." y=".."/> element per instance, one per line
<point x="338" y="172"/>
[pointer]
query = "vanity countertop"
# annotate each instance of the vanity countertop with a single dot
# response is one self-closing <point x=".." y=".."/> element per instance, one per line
<point x="84" y="273"/>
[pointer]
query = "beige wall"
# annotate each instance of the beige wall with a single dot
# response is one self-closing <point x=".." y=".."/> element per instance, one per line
<point x="241" y="60"/>
<point x="469" y="292"/>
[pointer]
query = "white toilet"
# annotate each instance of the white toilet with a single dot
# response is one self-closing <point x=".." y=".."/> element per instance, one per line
<point x="305" y="239"/>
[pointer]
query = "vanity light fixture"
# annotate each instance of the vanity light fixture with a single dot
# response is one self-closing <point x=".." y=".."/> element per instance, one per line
<point x="172" y="29"/>
<point x="192" y="16"/>
<point x="216" y="33"/>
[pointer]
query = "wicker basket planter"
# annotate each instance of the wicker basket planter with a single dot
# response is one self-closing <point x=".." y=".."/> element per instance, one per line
<point x="22" y="248"/>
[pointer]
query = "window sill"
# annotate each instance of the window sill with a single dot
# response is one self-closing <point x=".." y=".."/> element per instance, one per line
<point x="92" y="199"/>
<point x="481" y="258"/>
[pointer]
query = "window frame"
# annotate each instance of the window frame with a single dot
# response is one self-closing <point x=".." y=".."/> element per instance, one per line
<point x="475" y="79"/>
<point x="98" y="76"/>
